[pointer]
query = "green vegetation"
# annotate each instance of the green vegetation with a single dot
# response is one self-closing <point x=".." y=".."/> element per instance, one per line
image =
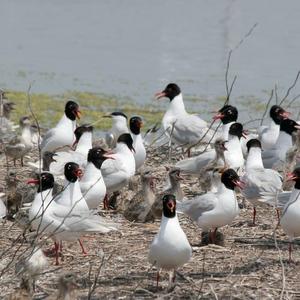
<point x="48" y="108"/>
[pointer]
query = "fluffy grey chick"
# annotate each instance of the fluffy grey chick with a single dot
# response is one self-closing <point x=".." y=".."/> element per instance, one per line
<point x="174" y="188"/>
<point x="31" y="265"/>
<point x="208" y="177"/>
<point x="67" y="285"/>
<point x="139" y="207"/>
<point x="19" y="146"/>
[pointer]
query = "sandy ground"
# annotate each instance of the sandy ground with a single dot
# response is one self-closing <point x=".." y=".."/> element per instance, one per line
<point x="250" y="265"/>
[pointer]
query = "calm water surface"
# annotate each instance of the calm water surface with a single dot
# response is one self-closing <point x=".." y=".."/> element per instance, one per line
<point x="133" y="48"/>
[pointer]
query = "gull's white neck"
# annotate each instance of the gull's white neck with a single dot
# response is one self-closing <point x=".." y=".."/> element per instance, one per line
<point x="176" y="106"/>
<point x="122" y="148"/>
<point x="284" y="141"/>
<point x="225" y="130"/>
<point x="254" y="159"/>
<point x="26" y="135"/>
<point x="91" y="172"/>
<point x="66" y="124"/>
<point x="84" y="143"/>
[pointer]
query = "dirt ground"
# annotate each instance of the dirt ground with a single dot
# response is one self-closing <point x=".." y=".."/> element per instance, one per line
<point x="252" y="264"/>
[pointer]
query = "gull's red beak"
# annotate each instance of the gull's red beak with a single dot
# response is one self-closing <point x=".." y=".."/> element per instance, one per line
<point x="244" y="134"/>
<point x="218" y="116"/>
<point x="290" y="176"/>
<point x="34" y="181"/>
<point x="78" y="173"/>
<point x="160" y="95"/>
<point x="285" y="114"/>
<point x="239" y="183"/>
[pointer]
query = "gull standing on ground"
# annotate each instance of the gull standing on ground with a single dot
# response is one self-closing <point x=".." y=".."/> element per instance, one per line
<point x="118" y="170"/>
<point x="290" y="219"/>
<point x="261" y="185"/>
<point x="170" y="248"/>
<point x="92" y="184"/>
<point x="214" y="210"/>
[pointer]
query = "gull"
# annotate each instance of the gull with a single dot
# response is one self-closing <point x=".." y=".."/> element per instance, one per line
<point x="170" y="248"/>
<point x="119" y="126"/>
<point x="213" y="210"/>
<point x="284" y="142"/>
<point x="290" y="219"/>
<point x="63" y="133"/>
<point x="186" y="129"/>
<point x="92" y="184"/>
<point x="135" y="125"/>
<point x="261" y="185"/>
<point x="268" y="135"/>
<point x="65" y="216"/>
<point x="117" y="171"/>
<point x="83" y="143"/>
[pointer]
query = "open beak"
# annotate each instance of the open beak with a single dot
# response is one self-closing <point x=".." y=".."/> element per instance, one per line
<point x="240" y="184"/>
<point x="244" y="134"/>
<point x="218" y="116"/>
<point x="74" y="145"/>
<point x="179" y="177"/>
<point x="160" y="95"/>
<point x="53" y="159"/>
<point x="297" y="126"/>
<point x="171" y="206"/>
<point x="34" y="181"/>
<point x="285" y="114"/>
<point x="77" y="113"/>
<point x="108" y="155"/>
<point x="78" y="173"/>
<point x="290" y="176"/>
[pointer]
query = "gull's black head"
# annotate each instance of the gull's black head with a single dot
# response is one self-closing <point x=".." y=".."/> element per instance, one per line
<point x="72" y="171"/>
<point x="171" y="91"/>
<point x="169" y="206"/>
<point x="227" y="114"/>
<point x="44" y="180"/>
<point x="231" y="179"/>
<point x="135" y="124"/>
<point x="24" y="121"/>
<point x="253" y="143"/>
<point x="80" y="130"/>
<point x="277" y="113"/>
<point x="72" y="110"/>
<point x="126" y="139"/>
<point x="289" y="126"/>
<point x="97" y="156"/>
<point x="236" y="129"/>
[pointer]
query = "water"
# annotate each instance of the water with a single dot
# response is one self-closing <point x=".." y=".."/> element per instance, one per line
<point x="132" y="49"/>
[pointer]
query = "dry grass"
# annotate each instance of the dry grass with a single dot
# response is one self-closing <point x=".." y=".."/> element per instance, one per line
<point x="249" y="266"/>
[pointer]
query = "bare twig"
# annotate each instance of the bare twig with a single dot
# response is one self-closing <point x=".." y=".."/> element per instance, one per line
<point x="267" y="106"/>
<point x="290" y="88"/>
